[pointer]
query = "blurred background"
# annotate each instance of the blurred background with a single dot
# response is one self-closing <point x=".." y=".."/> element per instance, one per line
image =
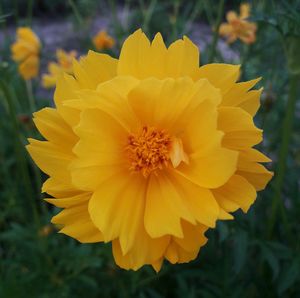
<point x="257" y="255"/>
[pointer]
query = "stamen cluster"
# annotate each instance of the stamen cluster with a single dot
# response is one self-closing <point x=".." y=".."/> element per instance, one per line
<point x="148" y="150"/>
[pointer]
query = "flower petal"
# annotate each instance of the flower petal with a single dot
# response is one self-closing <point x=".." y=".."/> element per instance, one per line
<point x="222" y="76"/>
<point x="100" y="150"/>
<point x="212" y="169"/>
<point x="236" y="193"/>
<point x="117" y="207"/>
<point x="77" y="224"/>
<point x="52" y="126"/>
<point x="162" y="196"/>
<point x="199" y="201"/>
<point x="240" y="131"/>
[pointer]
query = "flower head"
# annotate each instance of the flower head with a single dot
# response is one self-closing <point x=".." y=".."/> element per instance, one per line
<point x="103" y="41"/>
<point x="64" y="64"/>
<point x="150" y="150"/>
<point x="238" y="26"/>
<point x="25" y="51"/>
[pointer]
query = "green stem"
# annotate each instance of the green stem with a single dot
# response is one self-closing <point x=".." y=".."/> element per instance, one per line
<point x="29" y="12"/>
<point x="216" y="32"/>
<point x="31" y="100"/>
<point x="76" y="12"/>
<point x="244" y="58"/>
<point x="283" y="154"/>
<point x="174" y="19"/>
<point x="20" y="152"/>
<point x="116" y="22"/>
<point x="148" y="15"/>
<point x="16" y="11"/>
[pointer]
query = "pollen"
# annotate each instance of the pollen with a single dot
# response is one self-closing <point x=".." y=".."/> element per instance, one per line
<point x="149" y="150"/>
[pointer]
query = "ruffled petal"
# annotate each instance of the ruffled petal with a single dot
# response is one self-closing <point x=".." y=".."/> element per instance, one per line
<point x="162" y="196"/>
<point x="77" y="224"/>
<point x="118" y="211"/>
<point x="100" y="150"/>
<point x="142" y="59"/>
<point x="222" y="76"/>
<point x="240" y="131"/>
<point x="236" y="193"/>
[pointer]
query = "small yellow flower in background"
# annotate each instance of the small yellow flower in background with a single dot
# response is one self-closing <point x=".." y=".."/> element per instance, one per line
<point x="149" y="150"/>
<point x="64" y="64"/>
<point x="45" y="230"/>
<point x="103" y="41"/>
<point x="238" y="27"/>
<point x="25" y="51"/>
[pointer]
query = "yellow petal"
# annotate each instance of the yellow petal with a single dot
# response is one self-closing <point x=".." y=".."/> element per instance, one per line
<point x="236" y="193"/>
<point x="134" y="55"/>
<point x="142" y="60"/>
<point x="29" y="68"/>
<point x="225" y="29"/>
<point x="251" y="101"/>
<point x="51" y="125"/>
<point x="146" y="250"/>
<point x="236" y="94"/>
<point x="66" y="88"/>
<point x="100" y="150"/>
<point x="50" y="158"/>
<point x="110" y="98"/>
<point x="67" y="202"/>
<point x="231" y="16"/>
<point x="183" y="250"/>
<point x="255" y="173"/>
<point x="117" y="207"/>
<point x="252" y="154"/>
<point x="169" y="103"/>
<point x="77" y="224"/>
<point x="240" y="131"/>
<point x="182" y="58"/>
<point x="59" y="188"/>
<point x="177" y="154"/>
<point x="199" y="201"/>
<point x="210" y="170"/>
<point x="222" y="76"/>
<point x="244" y="10"/>
<point x="162" y="196"/>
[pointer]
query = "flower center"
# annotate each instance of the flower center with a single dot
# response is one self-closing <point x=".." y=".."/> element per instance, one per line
<point x="151" y="149"/>
<point x="148" y="150"/>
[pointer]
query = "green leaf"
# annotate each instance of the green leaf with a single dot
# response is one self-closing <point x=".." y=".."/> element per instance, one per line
<point x="289" y="277"/>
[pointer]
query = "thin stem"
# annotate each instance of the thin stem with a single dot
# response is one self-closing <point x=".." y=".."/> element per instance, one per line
<point x="174" y="19"/>
<point x="283" y="154"/>
<point x="116" y="22"/>
<point x="216" y="32"/>
<point x="31" y="99"/>
<point x="76" y="12"/>
<point x="148" y="15"/>
<point x="29" y="12"/>
<point x="16" y="11"/>
<point x="20" y="154"/>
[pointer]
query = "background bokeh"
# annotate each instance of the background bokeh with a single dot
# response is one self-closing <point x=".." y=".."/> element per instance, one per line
<point x="257" y="255"/>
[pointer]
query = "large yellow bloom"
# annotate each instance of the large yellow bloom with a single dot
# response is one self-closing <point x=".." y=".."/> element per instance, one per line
<point x="64" y="64"/>
<point x="103" y="41"/>
<point x="148" y="151"/>
<point x="25" y="51"/>
<point x="238" y="27"/>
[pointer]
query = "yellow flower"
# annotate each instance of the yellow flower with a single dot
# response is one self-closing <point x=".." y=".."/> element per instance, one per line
<point x="238" y="27"/>
<point x="25" y="51"/>
<point x="103" y="41"/>
<point x="149" y="150"/>
<point x="45" y="230"/>
<point x="64" y="64"/>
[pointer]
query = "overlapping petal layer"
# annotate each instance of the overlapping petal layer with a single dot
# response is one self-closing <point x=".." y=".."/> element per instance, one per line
<point x="148" y="151"/>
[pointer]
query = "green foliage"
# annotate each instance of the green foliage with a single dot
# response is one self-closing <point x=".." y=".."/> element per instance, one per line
<point x="241" y="259"/>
